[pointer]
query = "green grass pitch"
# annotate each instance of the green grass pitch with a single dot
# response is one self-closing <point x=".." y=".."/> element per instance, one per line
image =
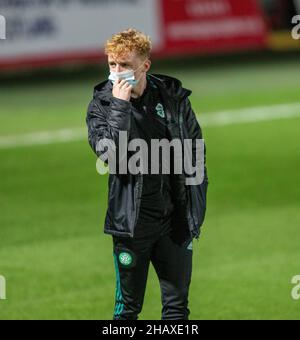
<point x="57" y="262"/>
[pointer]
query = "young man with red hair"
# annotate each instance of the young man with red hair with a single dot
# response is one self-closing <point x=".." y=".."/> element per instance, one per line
<point x="152" y="217"/>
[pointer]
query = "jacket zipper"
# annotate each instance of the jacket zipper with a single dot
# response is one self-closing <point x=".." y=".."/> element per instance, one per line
<point x="139" y="189"/>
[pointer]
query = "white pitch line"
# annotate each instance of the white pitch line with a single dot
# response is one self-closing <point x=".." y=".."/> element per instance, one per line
<point x="251" y="115"/>
<point x="43" y="138"/>
<point x="239" y="116"/>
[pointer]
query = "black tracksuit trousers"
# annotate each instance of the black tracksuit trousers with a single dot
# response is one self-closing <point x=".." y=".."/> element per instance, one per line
<point x="172" y="263"/>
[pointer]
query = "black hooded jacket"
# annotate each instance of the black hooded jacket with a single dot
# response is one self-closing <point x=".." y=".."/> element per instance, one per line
<point x="107" y="116"/>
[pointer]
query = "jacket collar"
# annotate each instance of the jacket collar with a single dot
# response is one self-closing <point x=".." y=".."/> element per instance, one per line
<point x="171" y="85"/>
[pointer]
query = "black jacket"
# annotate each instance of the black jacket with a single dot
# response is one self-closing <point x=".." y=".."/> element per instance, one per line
<point x="107" y="116"/>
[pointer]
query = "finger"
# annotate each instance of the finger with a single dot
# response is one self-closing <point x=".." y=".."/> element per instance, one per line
<point x="122" y="82"/>
<point x="126" y="85"/>
<point x="118" y="82"/>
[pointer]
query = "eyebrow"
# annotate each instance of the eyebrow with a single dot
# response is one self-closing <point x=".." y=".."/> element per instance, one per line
<point x="119" y="62"/>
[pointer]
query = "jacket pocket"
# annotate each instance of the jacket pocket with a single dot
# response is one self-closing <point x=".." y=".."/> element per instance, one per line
<point x="121" y="208"/>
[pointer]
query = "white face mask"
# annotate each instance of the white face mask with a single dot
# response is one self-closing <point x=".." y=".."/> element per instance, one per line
<point x="127" y="75"/>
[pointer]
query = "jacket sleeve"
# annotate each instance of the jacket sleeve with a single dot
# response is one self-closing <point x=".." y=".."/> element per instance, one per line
<point x="106" y="124"/>
<point x="198" y="193"/>
<point x="193" y="128"/>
